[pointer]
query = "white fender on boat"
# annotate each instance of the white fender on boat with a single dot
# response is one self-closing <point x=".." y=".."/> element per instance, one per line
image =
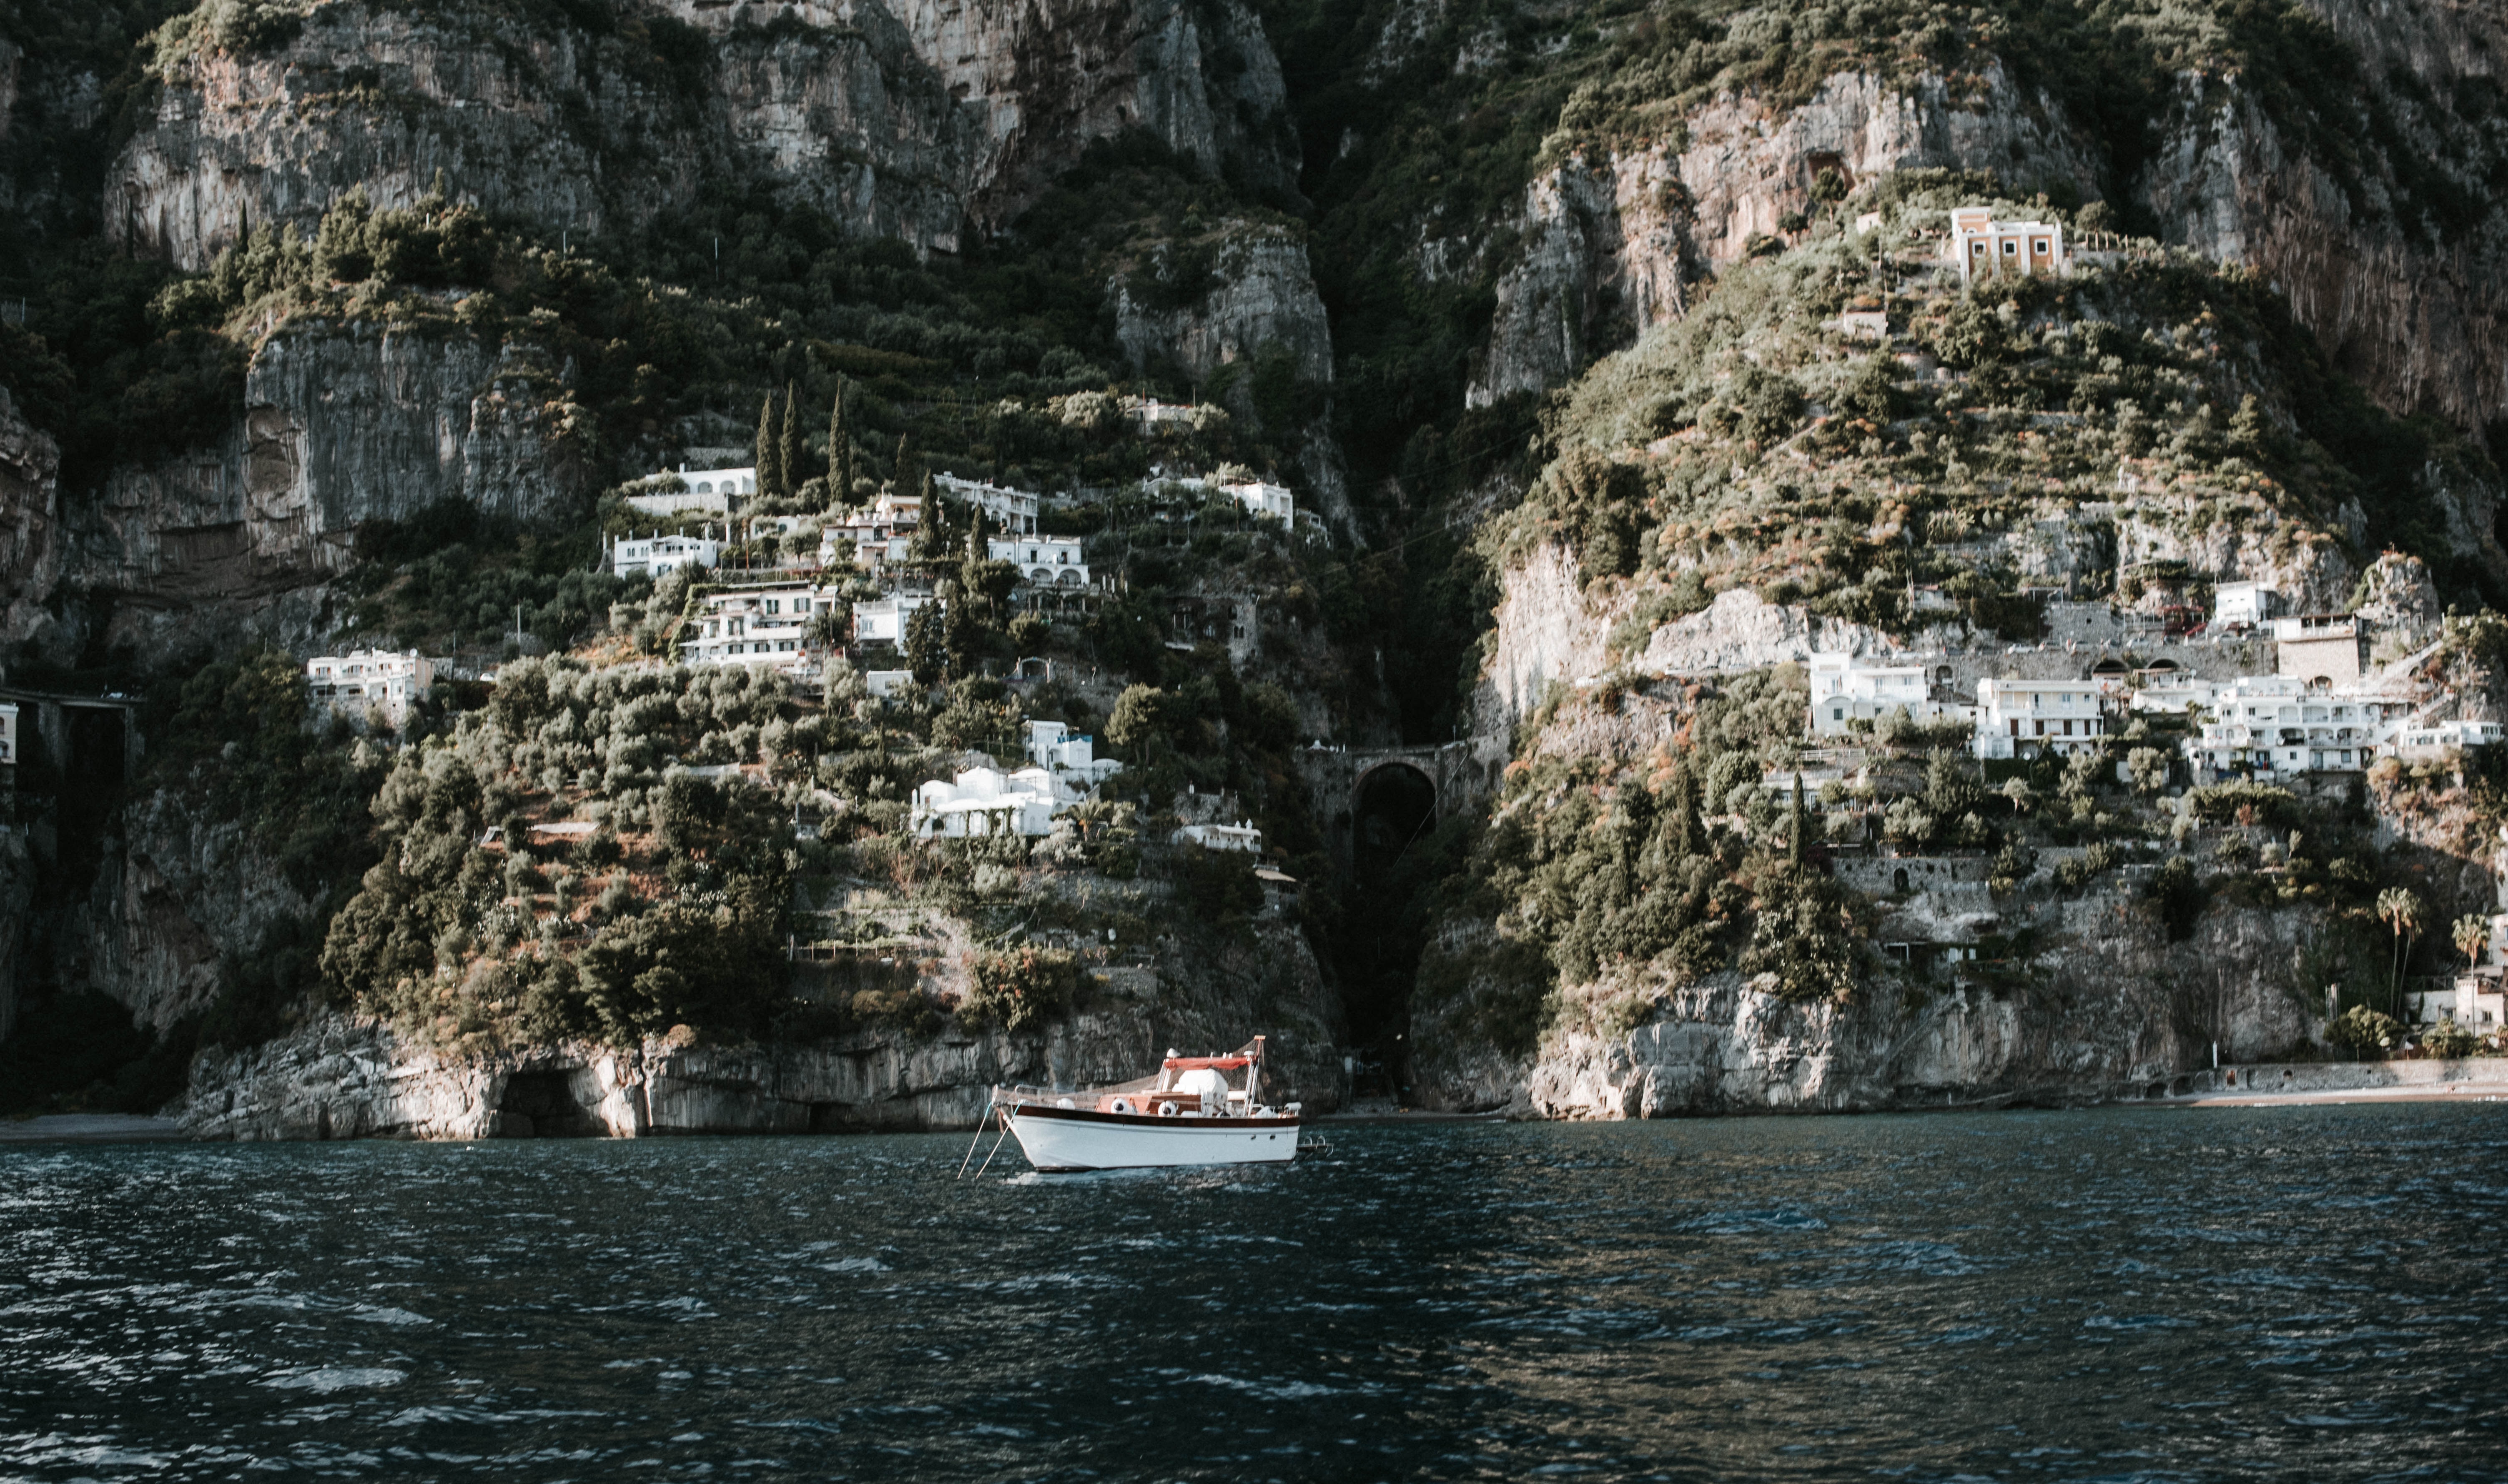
<point x="1166" y="1110"/>
<point x="1121" y="1105"/>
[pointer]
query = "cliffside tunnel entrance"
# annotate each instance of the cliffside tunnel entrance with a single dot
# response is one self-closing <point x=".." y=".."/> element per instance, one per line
<point x="1393" y="809"/>
<point x="547" y="1104"/>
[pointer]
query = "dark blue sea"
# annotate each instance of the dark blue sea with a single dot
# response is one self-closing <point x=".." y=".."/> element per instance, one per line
<point x="2310" y="1293"/>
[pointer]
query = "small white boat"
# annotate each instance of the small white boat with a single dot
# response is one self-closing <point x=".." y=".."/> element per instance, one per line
<point x="1197" y="1110"/>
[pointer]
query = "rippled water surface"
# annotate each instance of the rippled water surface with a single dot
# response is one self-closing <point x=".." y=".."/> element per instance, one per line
<point x="2302" y="1293"/>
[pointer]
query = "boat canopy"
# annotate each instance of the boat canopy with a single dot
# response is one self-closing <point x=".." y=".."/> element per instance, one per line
<point x="1168" y="1083"/>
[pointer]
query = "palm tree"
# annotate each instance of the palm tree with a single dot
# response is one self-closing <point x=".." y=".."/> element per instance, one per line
<point x="2470" y="934"/>
<point x="2402" y="911"/>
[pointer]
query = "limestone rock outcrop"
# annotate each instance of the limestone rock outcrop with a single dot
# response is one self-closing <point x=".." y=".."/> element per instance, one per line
<point x="1611" y="242"/>
<point x="176" y="907"/>
<point x="902" y="119"/>
<point x="349" y="1077"/>
<point x="1261" y="296"/>
<point x="30" y="556"/>
<point x="2121" y="1009"/>
<point x="341" y="425"/>
<point x="2400" y="266"/>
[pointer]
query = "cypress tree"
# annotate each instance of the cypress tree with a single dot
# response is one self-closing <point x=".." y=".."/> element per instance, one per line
<point x="1686" y="836"/>
<point x="770" y="476"/>
<point x="788" y="451"/>
<point x="840" y="462"/>
<point x="906" y="473"/>
<point x="1795" y="844"/>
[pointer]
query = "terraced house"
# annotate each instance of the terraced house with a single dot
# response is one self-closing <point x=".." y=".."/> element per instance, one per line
<point x="768" y="625"/>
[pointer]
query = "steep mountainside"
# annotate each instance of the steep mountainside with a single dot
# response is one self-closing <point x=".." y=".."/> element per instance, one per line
<point x="333" y="322"/>
<point x="905" y="123"/>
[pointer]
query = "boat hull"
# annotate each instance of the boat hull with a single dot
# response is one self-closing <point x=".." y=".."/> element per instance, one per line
<point x="1063" y="1139"/>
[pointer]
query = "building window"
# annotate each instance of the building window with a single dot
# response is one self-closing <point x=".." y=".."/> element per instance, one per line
<point x="2011" y="249"/>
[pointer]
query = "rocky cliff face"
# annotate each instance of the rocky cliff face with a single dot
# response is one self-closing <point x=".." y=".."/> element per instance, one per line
<point x="2388" y="240"/>
<point x="1550" y="628"/>
<point x="175" y="907"/>
<point x="904" y="121"/>
<point x="1262" y="297"/>
<point x="347" y="1078"/>
<point x="1611" y="242"/>
<point x="2119" y="1010"/>
<point x="342" y="425"/>
<point x="30" y="465"/>
<point x="2398" y="263"/>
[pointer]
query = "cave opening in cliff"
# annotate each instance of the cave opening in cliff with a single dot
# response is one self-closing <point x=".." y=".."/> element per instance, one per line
<point x="1392" y="810"/>
<point x="544" y="1105"/>
<point x="92" y="772"/>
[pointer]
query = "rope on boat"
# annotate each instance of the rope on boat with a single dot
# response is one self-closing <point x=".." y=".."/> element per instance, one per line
<point x="997" y="1147"/>
<point x="970" y="1146"/>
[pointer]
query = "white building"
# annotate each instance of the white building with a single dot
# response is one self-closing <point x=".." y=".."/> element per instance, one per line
<point x="2435" y="740"/>
<point x="8" y="733"/>
<point x="761" y="626"/>
<point x="1240" y="837"/>
<point x="1052" y="745"/>
<point x="2029" y="719"/>
<point x="984" y="802"/>
<point x="2173" y="695"/>
<point x="654" y="555"/>
<point x="883" y="683"/>
<point x="873" y="550"/>
<point x="1043" y="561"/>
<point x="1981" y="246"/>
<point x="2248" y="604"/>
<point x="370" y="680"/>
<point x="1264" y="501"/>
<point x="2272" y="725"/>
<point x="1844" y="692"/>
<point x="719" y="491"/>
<point x="1012" y="510"/>
<point x="883" y="620"/>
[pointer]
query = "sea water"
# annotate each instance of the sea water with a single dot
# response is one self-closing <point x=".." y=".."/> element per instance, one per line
<point x="2294" y="1294"/>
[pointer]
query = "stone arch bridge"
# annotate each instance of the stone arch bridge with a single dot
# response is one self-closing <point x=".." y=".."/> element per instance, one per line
<point x="1339" y="780"/>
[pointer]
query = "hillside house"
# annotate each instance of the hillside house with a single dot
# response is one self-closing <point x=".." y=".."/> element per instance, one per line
<point x="652" y="556"/>
<point x="1053" y="747"/>
<point x="1043" y="561"/>
<point x="370" y="680"/>
<point x="1263" y="501"/>
<point x="718" y="491"/>
<point x="1240" y="837"/>
<point x="985" y="802"/>
<point x="2243" y="605"/>
<point x="766" y="626"/>
<point x="1012" y="510"/>
<point x="8" y="734"/>
<point x="2435" y="740"/>
<point x="1980" y="247"/>
<point x="2276" y="725"/>
<point x="883" y="620"/>
<point x="1845" y="692"/>
<point x="2031" y="718"/>
<point x="2329" y="647"/>
<point x="1231" y="620"/>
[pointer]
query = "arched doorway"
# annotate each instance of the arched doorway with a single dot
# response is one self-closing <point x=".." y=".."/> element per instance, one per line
<point x="1392" y="809"/>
